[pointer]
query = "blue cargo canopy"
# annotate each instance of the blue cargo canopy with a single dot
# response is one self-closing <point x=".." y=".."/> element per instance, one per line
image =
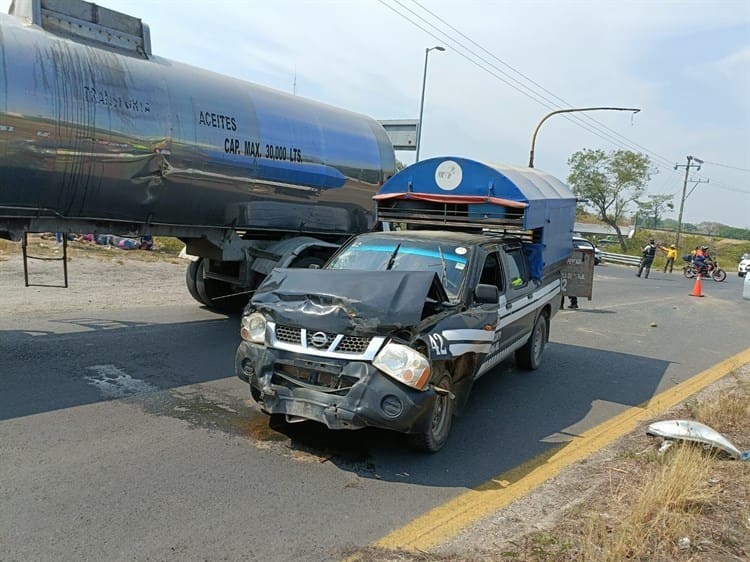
<point x="453" y="192"/>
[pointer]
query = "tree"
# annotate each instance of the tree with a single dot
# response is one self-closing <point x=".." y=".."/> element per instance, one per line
<point x="655" y="208"/>
<point x="609" y="182"/>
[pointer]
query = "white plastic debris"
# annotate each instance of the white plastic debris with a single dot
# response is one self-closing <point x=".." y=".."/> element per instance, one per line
<point x="665" y="447"/>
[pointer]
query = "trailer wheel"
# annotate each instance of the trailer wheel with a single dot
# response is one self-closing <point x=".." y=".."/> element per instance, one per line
<point x="530" y="355"/>
<point x="432" y="439"/>
<point x="213" y="293"/>
<point x="308" y="261"/>
<point x="190" y="277"/>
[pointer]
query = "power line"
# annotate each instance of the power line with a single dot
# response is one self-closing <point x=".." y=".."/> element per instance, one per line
<point x="584" y="121"/>
<point x="457" y="46"/>
<point x="567" y="103"/>
<point x="516" y="84"/>
<point x="727" y="166"/>
<point x="509" y="80"/>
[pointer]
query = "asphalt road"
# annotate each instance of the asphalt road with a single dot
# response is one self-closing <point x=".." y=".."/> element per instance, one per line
<point x="124" y="436"/>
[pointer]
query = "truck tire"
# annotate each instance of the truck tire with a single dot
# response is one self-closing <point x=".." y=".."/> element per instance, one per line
<point x="307" y="261"/>
<point x="432" y="439"/>
<point x="529" y="357"/>
<point x="212" y="292"/>
<point x="190" y="277"/>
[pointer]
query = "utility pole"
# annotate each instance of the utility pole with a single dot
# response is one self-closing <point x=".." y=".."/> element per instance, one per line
<point x="697" y="165"/>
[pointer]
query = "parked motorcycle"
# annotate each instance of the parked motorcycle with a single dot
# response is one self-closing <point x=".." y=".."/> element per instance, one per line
<point x="710" y="269"/>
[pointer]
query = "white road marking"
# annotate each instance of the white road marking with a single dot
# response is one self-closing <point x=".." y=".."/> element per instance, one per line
<point x="113" y="382"/>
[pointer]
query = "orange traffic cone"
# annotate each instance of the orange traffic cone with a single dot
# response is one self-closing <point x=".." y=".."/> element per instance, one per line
<point x="697" y="288"/>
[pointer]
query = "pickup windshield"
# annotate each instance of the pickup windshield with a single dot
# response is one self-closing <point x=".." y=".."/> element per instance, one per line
<point x="378" y="254"/>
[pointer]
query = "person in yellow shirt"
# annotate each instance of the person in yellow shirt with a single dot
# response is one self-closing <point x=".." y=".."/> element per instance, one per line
<point x="671" y="256"/>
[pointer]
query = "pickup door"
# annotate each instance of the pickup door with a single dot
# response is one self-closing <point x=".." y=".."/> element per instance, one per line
<point x="517" y="311"/>
<point x="512" y="282"/>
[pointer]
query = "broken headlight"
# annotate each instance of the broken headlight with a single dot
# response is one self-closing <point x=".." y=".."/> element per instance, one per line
<point x="404" y="364"/>
<point x="253" y="328"/>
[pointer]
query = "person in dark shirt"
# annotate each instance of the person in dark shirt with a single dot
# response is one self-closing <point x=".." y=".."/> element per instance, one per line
<point x="648" y="253"/>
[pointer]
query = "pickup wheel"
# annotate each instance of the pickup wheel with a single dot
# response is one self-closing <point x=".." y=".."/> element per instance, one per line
<point x="435" y="436"/>
<point x="530" y="355"/>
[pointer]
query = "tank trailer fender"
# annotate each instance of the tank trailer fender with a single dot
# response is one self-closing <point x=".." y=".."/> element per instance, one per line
<point x="286" y="252"/>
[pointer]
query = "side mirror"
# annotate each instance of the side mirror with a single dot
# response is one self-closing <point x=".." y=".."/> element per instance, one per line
<point x="486" y="294"/>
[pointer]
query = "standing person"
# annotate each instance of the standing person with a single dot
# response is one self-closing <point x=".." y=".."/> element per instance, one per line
<point x="648" y="253"/>
<point x="671" y="256"/>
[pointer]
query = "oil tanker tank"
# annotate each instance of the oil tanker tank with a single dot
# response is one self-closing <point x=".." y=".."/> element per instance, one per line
<point x="97" y="133"/>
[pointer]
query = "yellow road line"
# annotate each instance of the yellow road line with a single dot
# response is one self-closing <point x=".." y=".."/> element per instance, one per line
<point x="447" y="520"/>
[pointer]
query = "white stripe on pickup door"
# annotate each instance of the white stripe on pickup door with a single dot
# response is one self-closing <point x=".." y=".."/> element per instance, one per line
<point x="461" y="348"/>
<point x="469" y="335"/>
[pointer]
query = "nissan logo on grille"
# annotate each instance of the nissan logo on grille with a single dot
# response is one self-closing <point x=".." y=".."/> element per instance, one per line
<point x="319" y="339"/>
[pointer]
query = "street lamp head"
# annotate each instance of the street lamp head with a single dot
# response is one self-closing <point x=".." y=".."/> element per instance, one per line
<point x="436" y="48"/>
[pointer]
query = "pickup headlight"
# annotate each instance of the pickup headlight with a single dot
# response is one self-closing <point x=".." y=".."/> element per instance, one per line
<point x="404" y="364"/>
<point x="253" y="328"/>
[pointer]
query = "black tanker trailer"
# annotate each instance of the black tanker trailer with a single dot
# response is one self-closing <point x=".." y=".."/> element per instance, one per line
<point x="98" y="134"/>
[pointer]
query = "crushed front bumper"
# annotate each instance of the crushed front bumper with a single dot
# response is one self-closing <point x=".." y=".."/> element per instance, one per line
<point x="338" y="393"/>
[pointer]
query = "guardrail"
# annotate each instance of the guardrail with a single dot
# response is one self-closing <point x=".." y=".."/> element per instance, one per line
<point x="620" y="258"/>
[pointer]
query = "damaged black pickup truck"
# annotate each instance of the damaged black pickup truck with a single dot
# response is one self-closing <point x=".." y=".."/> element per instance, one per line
<point x="395" y="328"/>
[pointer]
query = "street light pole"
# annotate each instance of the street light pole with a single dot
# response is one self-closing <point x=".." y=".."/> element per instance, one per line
<point x="421" y="103"/>
<point x="571" y="110"/>
<point x="690" y="159"/>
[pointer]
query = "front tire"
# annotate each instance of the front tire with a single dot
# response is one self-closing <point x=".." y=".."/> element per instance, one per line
<point x="529" y="357"/>
<point x="688" y="272"/>
<point x="718" y="274"/>
<point x="435" y="436"/>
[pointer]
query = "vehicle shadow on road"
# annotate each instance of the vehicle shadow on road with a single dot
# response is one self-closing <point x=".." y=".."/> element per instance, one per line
<point x="175" y="369"/>
<point x="511" y="418"/>
<point x="90" y="360"/>
<point x="514" y="416"/>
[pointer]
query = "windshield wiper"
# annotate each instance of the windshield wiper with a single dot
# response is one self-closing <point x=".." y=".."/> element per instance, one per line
<point x="444" y="278"/>
<point x="393" y="257"/>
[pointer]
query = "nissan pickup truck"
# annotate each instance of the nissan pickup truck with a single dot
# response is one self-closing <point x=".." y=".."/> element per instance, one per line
<point x="395" y="328"/>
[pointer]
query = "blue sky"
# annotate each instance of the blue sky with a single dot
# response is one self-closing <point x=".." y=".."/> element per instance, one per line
<point x="685" y="64"/>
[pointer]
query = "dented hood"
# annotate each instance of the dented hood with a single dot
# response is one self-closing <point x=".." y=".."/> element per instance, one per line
<point x="347" y="300"/>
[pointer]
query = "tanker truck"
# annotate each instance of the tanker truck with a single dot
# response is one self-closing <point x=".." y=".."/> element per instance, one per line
<point x="98" y="134"/>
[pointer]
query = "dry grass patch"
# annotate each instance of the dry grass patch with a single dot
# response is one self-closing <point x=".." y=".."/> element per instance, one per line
<point x="653" y="511"/>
